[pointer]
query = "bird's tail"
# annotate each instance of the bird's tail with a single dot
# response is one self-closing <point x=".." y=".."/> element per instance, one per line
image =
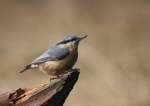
<point x="25" y="68"/>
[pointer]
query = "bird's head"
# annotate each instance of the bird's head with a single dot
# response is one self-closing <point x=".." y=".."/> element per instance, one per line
<point x="71" y="41"/>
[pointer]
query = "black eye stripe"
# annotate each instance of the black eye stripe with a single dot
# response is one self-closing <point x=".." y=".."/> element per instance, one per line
<point x="64" y="42"/>
<point x="67" y="39"/>
<point x="73" y="39"/>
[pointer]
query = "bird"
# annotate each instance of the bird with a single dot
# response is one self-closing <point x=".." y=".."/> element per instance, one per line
<point x="58" y="59"/>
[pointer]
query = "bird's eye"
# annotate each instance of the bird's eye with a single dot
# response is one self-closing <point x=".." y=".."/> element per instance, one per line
<point x="71" y="39"/>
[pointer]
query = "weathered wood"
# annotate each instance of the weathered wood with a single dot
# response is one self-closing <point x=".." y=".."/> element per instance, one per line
<point x="53" y="94"/>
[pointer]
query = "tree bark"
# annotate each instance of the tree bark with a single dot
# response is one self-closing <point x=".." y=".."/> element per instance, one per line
<point x="53" y="94"/>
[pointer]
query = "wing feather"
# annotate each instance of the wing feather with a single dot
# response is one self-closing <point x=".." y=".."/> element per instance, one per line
<point x="53" y="53"/>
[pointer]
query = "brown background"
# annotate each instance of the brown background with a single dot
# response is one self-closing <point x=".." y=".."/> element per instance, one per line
<point x="114" y="59"/>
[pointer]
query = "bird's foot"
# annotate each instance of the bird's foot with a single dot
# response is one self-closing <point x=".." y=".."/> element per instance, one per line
<point x="75" y="69"/>
<point x="54" y="78"/>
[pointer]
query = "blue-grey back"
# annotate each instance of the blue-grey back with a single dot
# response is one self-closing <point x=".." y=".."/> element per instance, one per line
<point x="53" y="53"/>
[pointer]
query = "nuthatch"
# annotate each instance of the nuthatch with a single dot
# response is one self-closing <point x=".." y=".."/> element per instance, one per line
<point x="58" y="59"/>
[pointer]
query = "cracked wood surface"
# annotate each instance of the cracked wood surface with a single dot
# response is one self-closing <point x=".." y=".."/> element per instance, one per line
<point x="53" y="94"/>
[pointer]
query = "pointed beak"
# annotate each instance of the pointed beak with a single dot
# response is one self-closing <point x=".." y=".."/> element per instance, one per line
<point x="82" y="37"/>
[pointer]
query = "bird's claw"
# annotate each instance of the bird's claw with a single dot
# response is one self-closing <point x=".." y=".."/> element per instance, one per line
<point x="75" y="69"/>
<point x="53" y="78"/>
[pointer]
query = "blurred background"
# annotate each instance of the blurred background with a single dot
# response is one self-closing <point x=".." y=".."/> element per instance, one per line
<point x="114" y="59"/>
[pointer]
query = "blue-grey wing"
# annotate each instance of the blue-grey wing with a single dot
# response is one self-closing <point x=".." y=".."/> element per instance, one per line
<point x="53" y="53"/>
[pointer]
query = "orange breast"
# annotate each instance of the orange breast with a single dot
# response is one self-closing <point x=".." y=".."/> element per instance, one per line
<point x="58" y="67"/>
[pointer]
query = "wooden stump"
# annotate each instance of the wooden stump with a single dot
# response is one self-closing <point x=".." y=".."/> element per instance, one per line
<point x="53" y="94"/>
